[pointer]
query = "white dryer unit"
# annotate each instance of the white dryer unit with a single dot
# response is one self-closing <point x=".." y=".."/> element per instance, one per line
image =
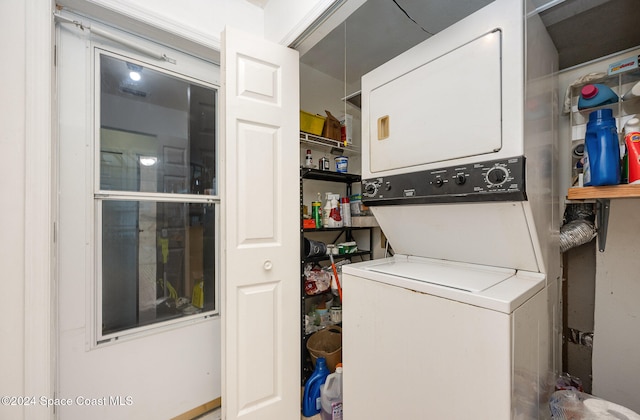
<point x="458" y="168"/>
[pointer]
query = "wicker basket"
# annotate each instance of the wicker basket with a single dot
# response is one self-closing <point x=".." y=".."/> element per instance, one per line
<point x="326" y="343"/>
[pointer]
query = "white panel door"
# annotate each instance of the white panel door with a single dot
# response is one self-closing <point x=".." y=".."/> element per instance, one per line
<point x="260" y="103"/>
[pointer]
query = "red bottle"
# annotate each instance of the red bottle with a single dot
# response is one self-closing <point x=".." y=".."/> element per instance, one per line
<point x="632" y="142"/>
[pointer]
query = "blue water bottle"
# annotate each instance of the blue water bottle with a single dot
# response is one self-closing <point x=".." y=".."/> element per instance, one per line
<point x="311" y="402"/>
<point x="602" y="150"/>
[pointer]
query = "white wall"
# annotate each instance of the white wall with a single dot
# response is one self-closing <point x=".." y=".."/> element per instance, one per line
<point x="196" y="17"/>
<point x="616" y="349"/>
<point x="25" y="225"/>
<point x="25" y="213"/>
<point x="197" y="21"/>
<point x="286" y="19"/>
<point x="201" y="22"/>
<point x="12" y="218"/>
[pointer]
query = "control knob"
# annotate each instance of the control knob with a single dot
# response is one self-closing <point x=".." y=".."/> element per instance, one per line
<point x="370" y="189"/>
<point x="497" y="175"/>
<point x="461" y="179"/>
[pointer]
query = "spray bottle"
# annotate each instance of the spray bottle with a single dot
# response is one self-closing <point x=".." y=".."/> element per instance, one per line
<point x="326" y="210"/>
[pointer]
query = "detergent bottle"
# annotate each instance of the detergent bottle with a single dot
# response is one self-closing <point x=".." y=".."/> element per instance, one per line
<point x="632" y="142"/>
<point x="331" y="395"/>
<point x="602" y="150"/>
<point x="596" y="95"/>
<point x="311" y="403"/>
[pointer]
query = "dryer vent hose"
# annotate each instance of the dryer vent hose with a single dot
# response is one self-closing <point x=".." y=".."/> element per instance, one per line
<point x="576" y="233"/>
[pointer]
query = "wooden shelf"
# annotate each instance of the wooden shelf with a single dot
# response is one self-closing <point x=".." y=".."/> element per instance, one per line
<point x="604" y="192"/>
<point x="602" y="196"/>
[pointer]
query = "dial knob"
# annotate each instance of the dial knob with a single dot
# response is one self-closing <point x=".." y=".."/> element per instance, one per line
<point x="370" y="189"/>
<point x="438" y="182"/>
<point x="496" y="175"/>
<point x="461" y="179"/>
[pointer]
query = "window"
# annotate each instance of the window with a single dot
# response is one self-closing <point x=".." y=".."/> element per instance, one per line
<point x="155" y="196"/>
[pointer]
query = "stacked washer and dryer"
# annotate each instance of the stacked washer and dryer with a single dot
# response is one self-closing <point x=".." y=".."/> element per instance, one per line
<point x="459" y="169"/>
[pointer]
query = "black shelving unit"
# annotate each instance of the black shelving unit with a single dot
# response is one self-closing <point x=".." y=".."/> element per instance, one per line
<point x="344" y="232"/>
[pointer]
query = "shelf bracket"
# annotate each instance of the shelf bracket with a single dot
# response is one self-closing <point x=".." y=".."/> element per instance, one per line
<point x="603" y="206"/>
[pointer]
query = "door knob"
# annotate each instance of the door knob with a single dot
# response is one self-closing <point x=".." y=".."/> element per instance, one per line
<point x="267" y="265"/>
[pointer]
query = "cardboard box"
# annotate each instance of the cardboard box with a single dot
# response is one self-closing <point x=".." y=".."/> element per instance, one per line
<point x="346" y="129"/>
<point x="331" y="127"/>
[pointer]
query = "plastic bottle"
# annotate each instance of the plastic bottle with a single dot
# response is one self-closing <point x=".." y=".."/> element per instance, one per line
<point x="335" y="218"/>
<point x="331" y="395"/>
<point x="596" y="95"/>
<point x="632" y="142"/>
<point x="323" y="164"/>
<point x="602" y="151"/>
<point x="356" y="205"/>
<point x="345" y="210"/>
<point x="308" y="160"/>
<point x="633" y="93"/>
<point x="311" y="403"/>
<point x="326" y="210"/>
<point x="316" y="213"/>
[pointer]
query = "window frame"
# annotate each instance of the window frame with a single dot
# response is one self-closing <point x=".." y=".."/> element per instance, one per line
<point x="176" y="69"/>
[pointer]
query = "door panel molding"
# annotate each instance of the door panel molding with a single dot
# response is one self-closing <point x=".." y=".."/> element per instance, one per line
<point x="261" y="287"/>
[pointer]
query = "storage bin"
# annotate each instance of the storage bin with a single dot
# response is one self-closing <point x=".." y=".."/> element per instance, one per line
<point x="310" y="123"/>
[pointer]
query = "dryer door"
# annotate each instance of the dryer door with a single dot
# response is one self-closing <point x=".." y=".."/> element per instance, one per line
<point x="448" y="108"/>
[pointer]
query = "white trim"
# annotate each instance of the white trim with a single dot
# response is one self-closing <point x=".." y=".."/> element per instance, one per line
<point x="38" y="230"/>
<point x="314" y="14"/>
<point x="147" y="16"/>
<point x="311" y="35"/>
<point x="117" y="39"/>
<point x="149" y="25"/>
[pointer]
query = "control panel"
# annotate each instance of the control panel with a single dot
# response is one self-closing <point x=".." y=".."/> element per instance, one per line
<point x="496" y="180"/>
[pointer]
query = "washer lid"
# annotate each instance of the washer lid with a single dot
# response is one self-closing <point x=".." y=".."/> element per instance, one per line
<point x="495" y="288"/>
<point x="468" y="277"/>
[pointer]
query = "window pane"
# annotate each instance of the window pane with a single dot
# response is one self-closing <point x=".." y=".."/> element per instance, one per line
<point x="158" y="262"/>
<point x="157" y="131"/>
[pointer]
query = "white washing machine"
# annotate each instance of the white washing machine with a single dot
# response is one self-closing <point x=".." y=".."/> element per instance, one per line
<point x="463" y="322"/>
<point x="432" y="339"/>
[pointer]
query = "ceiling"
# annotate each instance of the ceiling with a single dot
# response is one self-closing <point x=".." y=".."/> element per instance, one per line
<point x="379" y="30"/>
